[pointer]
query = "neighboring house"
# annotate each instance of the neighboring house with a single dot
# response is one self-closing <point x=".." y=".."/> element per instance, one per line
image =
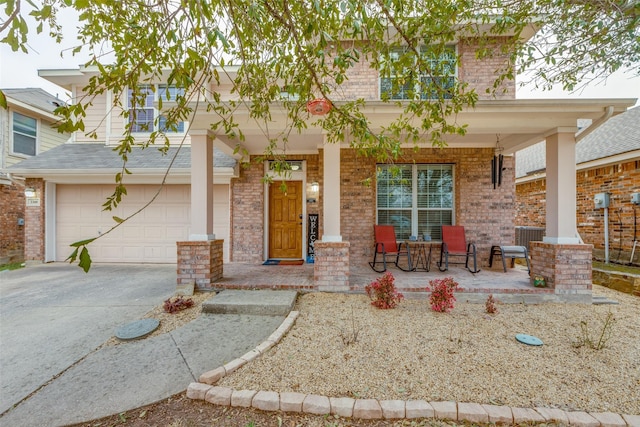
<point x="26" y="130"/>
<point x="607" y="161"/>
<point x="452" y="185"/>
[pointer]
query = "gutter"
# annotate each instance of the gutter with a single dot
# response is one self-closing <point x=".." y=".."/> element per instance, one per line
<point x="608" y="112"/>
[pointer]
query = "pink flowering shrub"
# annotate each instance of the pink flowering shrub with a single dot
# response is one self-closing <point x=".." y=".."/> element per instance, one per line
<point x="442" y="298"/>
<point x="490" y="305"/>
<point x="383" y="292"/>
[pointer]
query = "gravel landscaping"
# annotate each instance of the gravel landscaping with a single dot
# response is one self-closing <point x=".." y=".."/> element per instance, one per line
<point x="342" y="346"/>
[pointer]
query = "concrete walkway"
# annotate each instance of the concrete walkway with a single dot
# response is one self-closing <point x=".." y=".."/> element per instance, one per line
<point x="53" y="317"/>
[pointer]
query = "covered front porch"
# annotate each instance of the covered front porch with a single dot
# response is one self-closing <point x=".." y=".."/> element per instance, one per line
<point x="347" y="210"/>
<point x="511" y="287"/>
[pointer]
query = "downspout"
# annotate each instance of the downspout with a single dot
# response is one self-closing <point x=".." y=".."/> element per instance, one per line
<point x="608" y="112"/>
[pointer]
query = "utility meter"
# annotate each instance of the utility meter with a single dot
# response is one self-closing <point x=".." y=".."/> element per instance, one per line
<point x="601" y="200"/>
<point x="635" y="198"/>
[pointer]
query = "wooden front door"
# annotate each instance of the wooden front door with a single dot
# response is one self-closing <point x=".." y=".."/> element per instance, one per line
<point x="285" y="220"/>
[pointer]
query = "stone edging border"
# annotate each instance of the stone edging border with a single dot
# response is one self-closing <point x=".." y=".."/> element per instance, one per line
<point x="381" y="409"/>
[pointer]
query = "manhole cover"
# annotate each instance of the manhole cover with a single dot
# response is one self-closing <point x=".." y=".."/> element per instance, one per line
<point x="528" y="339"/>
<point x="137" y="329"/>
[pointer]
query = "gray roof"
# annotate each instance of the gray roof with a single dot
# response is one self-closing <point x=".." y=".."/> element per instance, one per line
<point x="620" y="134"/>
<point x="34" y="97"/>
<point x="100" y="157"/>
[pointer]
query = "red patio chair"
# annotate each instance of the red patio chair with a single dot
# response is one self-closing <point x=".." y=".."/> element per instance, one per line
<point x="386" y="245"/>
<point x="455" y="244"/>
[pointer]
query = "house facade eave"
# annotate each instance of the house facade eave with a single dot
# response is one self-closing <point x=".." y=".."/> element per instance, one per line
<point x="221" y="175"/>
<point x="597" y="163"/>
<point x="515" y="123"/>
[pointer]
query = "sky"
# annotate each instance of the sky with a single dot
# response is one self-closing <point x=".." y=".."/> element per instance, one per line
<point x="19" y="70"/>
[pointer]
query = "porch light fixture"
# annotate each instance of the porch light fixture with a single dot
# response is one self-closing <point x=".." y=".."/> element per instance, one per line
<point x="29" y="192"/>
<point x="319" y="106"/>
<point x="315" y="187"/>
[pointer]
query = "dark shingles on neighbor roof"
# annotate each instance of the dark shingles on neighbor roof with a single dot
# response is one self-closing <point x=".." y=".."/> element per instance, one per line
<point x="99" y="156"/>
<point x="35" y="97"/>
<point x="619" y="134"/>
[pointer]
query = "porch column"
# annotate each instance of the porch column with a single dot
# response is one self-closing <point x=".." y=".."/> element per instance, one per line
<point x="560" y="258"/>
<point x="331" y="264"/>
<point x="201" y="187"/>
<point x="331" y="193"/>
<point x="200" y="258"/>
<point x="561" y="189"/>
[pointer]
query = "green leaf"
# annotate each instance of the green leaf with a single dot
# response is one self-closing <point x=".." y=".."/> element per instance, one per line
<point x="85" y="260"/>
<point x="72" y="258"/>
<point x="82" y="242"/>
<point x="3" y="100"/>
<point x="118" y="219"/>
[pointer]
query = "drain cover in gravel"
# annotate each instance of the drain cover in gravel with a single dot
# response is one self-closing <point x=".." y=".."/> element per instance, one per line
<point x="528" y="339"/>
<point x="137" y="329"/>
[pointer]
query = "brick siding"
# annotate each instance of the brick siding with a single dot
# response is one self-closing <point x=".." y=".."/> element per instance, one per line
<point x="12" y="201"/>
<point x="619" y="180"/>
<point x="199" y="262"/>
<point x="486" y="213"/>
<point x="247" y="209"/>
<point x="565" y="268"/>
<point x="34" y="231"/>
<point x="362" y="80"/>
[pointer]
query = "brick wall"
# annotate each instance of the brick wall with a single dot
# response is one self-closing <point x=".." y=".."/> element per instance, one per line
<point x="363" y="82"/>
<point x="486" y="213"/>
<point x="531" y="203"/>
<point x="619" y="180"/>
<point x="11" y="234"/>
<point x="34" y="228"/>
<point x="199" y="262"/>
<point x="565" y="268"/>
<point x="480" y="74"/>
<point x="247" y="209"/>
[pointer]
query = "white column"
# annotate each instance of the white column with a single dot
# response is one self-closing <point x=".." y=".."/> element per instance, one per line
<point x="331" y="193"/>
<point x="201" y="187"/>
<point x="561" y="189"/>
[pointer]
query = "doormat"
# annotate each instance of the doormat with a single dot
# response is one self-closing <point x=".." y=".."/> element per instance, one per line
<point x="283" y="262"/>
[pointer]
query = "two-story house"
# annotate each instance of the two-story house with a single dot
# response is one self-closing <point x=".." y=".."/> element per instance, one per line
<point x="439" y="186"/>
<point x="26" y="130"/>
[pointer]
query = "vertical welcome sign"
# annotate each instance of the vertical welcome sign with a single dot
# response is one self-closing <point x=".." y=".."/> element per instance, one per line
<point x="312" y="236"/>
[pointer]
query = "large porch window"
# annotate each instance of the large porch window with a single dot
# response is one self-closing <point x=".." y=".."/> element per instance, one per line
<point x="415" y="199"/>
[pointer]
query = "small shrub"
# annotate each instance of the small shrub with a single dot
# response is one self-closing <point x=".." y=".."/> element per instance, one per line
<point x="383" y="292"/>
<point x="490" y="305"/>
<point x="177" y="304"/>
<point x="442" y="299"/>
<point x="350" y="337"/>
<point x="604" y="335"/>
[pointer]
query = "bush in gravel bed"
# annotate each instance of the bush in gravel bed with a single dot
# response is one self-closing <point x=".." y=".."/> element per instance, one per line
<point x="177" y="304"/>
<point x="442" y="299"/>
<point x="383" y="292"/>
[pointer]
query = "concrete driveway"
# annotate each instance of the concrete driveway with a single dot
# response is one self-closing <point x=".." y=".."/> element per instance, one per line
<point x="53" y="315"/>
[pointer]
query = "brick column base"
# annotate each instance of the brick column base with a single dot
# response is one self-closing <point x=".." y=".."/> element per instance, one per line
<point x="331" y="266"/>
<point x="565" y="268"/>
<point x="200" y="262"/>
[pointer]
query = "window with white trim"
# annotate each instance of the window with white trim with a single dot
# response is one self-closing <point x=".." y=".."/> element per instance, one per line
<point x="420" y="85"/>
<point x="416" y="199"/>
<point x="143" y="114"/>
<point x="25" y="135"/>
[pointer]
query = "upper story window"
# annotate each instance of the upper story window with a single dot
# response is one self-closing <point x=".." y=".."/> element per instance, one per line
<point x="415" y="83"/>
<point x="25" y="133"/>
<point x="416" y="199"/>
<point x="143" y="114"/>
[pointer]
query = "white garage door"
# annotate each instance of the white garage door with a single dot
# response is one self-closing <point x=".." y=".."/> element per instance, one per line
<point x="150" y="236"/>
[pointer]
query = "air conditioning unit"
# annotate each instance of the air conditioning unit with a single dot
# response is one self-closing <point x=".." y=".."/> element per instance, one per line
<point x="635" y="198"/>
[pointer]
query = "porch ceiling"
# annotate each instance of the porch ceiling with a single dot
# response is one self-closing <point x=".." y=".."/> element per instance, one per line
<point x="518" y="123"/>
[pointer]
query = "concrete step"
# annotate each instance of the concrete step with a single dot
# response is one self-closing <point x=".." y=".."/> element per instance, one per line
<point x="257" y="302"/>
